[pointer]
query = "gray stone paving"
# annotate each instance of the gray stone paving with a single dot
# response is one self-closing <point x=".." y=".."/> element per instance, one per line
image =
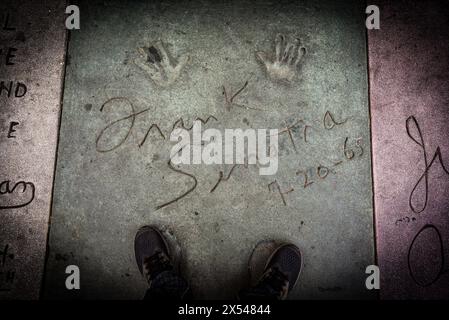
<point x="102" y="197"/>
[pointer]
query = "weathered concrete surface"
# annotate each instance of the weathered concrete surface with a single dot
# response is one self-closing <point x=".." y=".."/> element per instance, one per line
<point x="101" y="198"/>
<point x="35" y="29"/>
<point x="409" y="78"/>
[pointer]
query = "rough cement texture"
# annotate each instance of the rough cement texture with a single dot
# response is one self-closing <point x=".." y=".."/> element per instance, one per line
<point x="409" y="78"/>
<point x="27" y="158"/>
<point x="101" y="198"/>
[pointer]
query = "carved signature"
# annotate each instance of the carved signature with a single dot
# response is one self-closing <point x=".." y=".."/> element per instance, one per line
<point x="441" y="270"/>
<point x="411" y="122"/>
<point x="19" y="195"/>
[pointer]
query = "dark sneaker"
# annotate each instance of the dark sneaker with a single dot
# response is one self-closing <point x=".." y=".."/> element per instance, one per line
<point x="281" y="271"/>
<point x="152" y="252"/>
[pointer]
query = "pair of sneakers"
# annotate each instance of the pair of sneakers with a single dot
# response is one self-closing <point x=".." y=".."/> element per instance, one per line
<point x="279" y="276"/>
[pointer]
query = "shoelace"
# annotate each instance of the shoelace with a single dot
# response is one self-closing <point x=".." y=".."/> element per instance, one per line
<point x="157" y="263"/>
<point x="275" y="279"/>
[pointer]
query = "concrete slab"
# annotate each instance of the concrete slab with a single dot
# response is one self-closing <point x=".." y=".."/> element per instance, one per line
<point x="410" y="124"/>
<point x="110" y="180"/>
<point x="32" y="54"/>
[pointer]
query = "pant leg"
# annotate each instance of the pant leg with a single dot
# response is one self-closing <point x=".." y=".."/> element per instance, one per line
<point x="168" y="285"/>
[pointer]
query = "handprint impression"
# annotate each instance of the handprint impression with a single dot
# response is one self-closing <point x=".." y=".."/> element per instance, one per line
<point x="155" y="61"/>
<point x="284" y="66"/>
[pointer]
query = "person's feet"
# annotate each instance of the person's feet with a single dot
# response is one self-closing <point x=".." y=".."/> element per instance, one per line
<point x="152" y="252"/>
<point x="281" y="271"/>
<point x="280" y="275"/>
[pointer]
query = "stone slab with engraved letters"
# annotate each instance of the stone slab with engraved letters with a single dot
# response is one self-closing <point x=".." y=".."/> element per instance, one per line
<point x="112" y="178"/>
<point x="32" y="55"/>
<point x="409" y="76"/>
